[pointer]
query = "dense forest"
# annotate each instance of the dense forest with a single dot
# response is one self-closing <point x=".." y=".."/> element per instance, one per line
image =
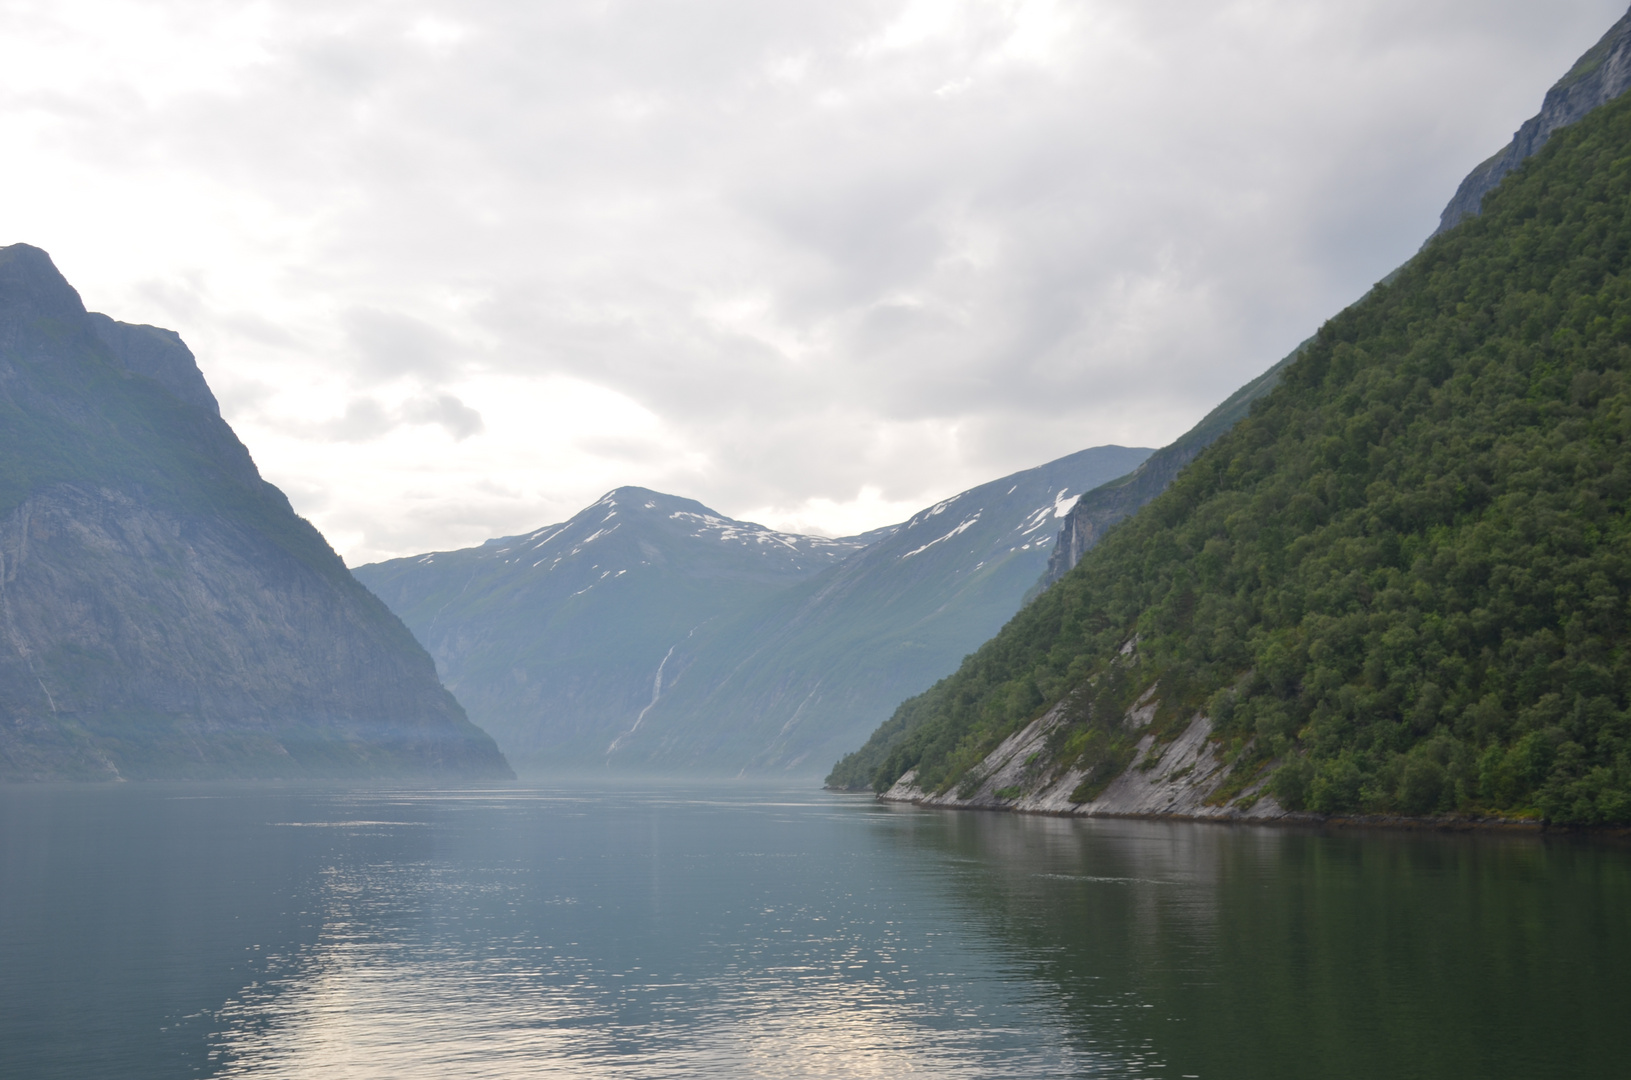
<point x="1401" y="584"/>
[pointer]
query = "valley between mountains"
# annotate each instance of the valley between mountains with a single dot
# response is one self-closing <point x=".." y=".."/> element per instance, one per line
<point x="1388" y="577"/>
<point x="651" y="633"/>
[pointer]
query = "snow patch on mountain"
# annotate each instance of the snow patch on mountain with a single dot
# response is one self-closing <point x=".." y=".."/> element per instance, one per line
<point x="964" y="527"/>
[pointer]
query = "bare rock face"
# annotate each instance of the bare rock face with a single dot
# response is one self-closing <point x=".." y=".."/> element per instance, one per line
<point x="163" y="611"/>
<point x="1181" y="779"/>
<point x="1600" y="76"/>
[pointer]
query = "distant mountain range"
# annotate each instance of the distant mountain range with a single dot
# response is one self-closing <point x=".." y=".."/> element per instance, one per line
<point x="652" y="633"/>
<point x="163" y="611"/>
<point x="560" y="639"/>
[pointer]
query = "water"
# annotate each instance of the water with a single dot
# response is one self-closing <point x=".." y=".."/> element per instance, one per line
<point x="674" y="931"/>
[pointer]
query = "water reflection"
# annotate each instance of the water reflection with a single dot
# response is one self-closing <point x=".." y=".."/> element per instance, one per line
<point x="585" y="935"/>
<point x="686" y="932"/>
<point x="1250" y="952"/>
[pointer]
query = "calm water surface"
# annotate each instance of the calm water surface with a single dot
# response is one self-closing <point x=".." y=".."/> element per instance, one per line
<point x="673" y="931"/>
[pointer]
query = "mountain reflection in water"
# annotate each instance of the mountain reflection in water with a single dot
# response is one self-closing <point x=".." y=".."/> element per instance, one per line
<point x="733" y="930"/>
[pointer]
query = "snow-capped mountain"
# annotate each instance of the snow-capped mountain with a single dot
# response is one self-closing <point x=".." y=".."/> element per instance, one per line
<point x="650" y="632"/>
<point x="792" y="684"/>
<point x="554" y="635"/>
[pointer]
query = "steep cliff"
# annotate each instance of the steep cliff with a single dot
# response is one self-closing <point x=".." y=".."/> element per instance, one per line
<point x="1599" y="76"/>
<point x="163" y="611"/>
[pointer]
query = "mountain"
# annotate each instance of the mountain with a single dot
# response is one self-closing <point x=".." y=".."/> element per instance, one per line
<point x="651" y="633"/>
<point x="1085" y="523"/>
<point x="559" y="641"/>
<point x="787" y="685"/>
<point x="163" y="611"/>
<point x="1400" y="586"/>
<point x="1108" y="503"/>
<point x="1599" y="76"/>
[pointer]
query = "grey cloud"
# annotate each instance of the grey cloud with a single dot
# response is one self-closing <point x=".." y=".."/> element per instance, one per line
<point x="365" y="419"/>
<point x="460" y="420"/>
<point x="816" y="269"/>
<point x="253" y="327"/>
<point x="388" y="343"/>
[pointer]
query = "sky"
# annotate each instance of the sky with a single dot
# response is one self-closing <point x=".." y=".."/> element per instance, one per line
<point x="454" y="270"/>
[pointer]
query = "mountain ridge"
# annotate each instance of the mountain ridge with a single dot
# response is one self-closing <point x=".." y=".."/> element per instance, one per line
<point x="552" y="637"/>
<point x="665" y="665"/>
<point x="164" y="613"/>
<point x="821" y="663"/>
<point x="1601" y="74"/>
<point x="1398" y="587"/>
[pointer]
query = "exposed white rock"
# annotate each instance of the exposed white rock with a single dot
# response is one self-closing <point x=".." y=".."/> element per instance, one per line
<point x="1164" y="780"/>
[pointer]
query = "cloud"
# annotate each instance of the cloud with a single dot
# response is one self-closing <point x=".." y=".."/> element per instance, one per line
<point x="456" y="269"/>
<point x="366" y="420"/>
<point x="447" y="411"/>
<point x="390" y="344"/>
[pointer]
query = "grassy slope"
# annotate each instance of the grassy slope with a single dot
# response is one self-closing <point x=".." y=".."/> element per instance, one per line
<point x="1405" y="577"/>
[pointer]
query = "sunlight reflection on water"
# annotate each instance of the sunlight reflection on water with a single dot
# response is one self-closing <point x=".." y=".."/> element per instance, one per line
<point x="686" y="952"/>
<point x="736" y="931"/>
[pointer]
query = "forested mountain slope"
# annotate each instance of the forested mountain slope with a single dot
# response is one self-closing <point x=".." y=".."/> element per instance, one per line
<point x="163" y="611"/>
<point x="1402" y="583"/>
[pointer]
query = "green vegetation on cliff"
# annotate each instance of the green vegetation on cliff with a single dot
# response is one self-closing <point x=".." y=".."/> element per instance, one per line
<point x="1403" y="582"/>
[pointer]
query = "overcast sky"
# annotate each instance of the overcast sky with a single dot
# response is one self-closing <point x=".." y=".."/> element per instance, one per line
<point x="456" y="269"/>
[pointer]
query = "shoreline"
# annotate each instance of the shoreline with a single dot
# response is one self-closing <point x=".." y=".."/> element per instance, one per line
<point x="1285" y="819"/>
<point x="1180" y="780"/>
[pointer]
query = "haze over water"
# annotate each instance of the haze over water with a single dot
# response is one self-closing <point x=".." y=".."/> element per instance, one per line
<point x="751" y="931"/>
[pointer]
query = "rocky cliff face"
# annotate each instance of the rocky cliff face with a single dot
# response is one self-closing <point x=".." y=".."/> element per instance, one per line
<point x="163" y="611"/>
<point x="1601" y="75"/>
<point x="1185" y="777"/>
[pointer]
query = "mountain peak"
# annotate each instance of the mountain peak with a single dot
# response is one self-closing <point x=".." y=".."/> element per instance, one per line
<point x="31" y="286"/>
<point x="167" y="614"/>
<point x="33" y="289"/>
<point x="1601" y="74"/>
